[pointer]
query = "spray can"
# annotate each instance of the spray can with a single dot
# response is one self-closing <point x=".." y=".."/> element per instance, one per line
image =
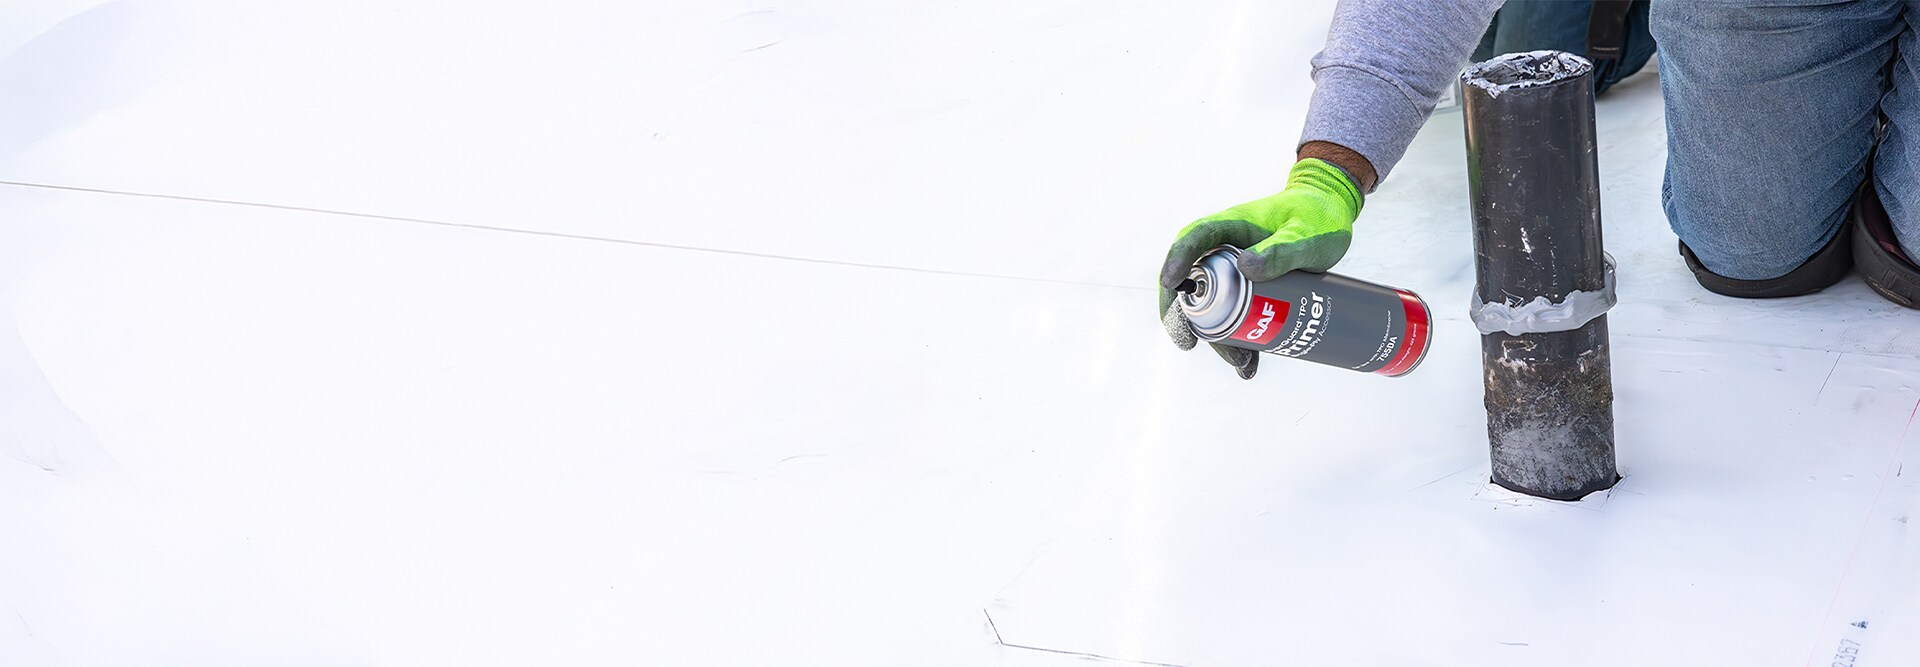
<point x="1320" y="317"/>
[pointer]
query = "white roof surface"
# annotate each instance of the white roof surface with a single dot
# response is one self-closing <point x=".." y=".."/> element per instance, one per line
<point x="817" y="333"/>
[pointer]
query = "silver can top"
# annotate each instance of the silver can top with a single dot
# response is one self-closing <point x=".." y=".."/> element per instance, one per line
<point x="1220" y="294"/>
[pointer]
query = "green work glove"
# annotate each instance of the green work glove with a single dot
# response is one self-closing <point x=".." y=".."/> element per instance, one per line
<point x="1308" y="227"/>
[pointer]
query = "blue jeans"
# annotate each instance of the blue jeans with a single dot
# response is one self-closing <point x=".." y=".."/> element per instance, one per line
<point x="1774" y="114"/>
<point x="1561" y="25"/>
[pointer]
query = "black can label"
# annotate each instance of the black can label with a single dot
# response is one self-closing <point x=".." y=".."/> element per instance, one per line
<point x="1337" y="321"/>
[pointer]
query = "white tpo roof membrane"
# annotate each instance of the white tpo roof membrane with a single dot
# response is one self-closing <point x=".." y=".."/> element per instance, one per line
<point x="745" y="332"/>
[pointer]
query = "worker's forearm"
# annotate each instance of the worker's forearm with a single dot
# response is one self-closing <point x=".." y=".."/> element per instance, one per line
<point x="1383" y="68"/>
<point x="1355" y="164"/>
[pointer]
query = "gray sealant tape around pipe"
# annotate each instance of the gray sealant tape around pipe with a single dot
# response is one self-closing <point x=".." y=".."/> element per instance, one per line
<point x="1544" y="316"/>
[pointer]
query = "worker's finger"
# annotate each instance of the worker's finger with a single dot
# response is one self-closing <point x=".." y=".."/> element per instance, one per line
<point x="1275" y="256"/>
<point x="1245" y="362"/>
<point x="1201" y="237"/>
<point x="1177" y="326"/>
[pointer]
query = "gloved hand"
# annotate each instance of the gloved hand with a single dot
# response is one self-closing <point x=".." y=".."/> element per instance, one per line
<point x="1308" y="226"/>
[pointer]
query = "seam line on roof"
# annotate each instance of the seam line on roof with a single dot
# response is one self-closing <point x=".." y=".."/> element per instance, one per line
<point x="564" y="235"/>
<point x="1079" y="654"/>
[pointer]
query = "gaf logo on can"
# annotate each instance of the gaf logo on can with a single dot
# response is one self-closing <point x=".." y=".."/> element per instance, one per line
<point x="1264" y="316"/>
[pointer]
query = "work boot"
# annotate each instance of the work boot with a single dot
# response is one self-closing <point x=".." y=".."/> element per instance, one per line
<point x="1886" y="268"/>
<point x="1819" y="272"/>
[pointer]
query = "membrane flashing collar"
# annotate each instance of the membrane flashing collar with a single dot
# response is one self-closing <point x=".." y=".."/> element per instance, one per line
<point x="1543" y="316"/>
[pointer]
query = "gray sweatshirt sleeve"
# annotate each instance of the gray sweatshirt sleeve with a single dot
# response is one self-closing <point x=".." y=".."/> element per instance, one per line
<point x="1383" y="68"/>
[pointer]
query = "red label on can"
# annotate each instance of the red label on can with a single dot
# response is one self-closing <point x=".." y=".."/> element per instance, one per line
<point x="1265" y="318"/>
<point x="1413" y="344"/>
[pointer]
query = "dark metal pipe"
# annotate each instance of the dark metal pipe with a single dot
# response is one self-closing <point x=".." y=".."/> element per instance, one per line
<point x="1534" y="179"/>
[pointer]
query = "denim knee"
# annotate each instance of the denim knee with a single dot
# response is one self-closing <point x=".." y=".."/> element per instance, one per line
<point x="1763" y="160"/>
<point x="1761" y="241"/>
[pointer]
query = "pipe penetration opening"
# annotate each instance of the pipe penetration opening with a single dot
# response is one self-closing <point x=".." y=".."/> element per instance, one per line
<point x="1526" y="70"/>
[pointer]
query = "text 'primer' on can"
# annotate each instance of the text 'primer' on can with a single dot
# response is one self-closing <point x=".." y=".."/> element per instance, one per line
<point x="1320" y="317"/>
